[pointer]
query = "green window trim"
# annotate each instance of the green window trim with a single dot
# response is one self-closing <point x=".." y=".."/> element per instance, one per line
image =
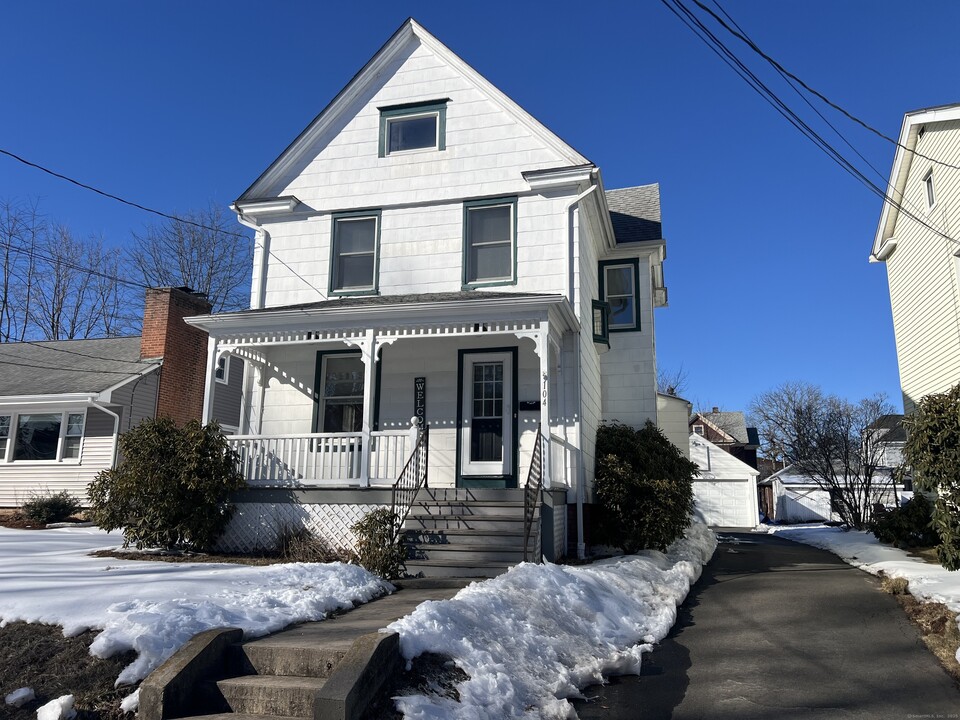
<point x="634" y="263"/>
<point x="438" y="107"/>
<point x="467" y="283"/>
<point x="374" y="289"/>
<point x="601" y="322"/>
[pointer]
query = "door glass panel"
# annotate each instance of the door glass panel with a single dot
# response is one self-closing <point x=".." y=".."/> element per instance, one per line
<point x="486" y="435"/>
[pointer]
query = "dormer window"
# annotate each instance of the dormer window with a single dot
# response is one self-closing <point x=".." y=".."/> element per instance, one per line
<point x="354" y="256"/>
<point x="414" y="126"/>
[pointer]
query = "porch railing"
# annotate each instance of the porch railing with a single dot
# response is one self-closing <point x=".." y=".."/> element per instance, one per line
<point x="320" y="458"/>
<point x="408" y="484"/>
<point x="531" y="498"/>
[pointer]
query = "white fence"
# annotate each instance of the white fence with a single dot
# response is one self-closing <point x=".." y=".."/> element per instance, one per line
<point x="333" y="459"/>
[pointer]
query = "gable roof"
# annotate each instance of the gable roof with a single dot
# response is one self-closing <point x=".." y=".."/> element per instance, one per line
<point x="718" y="463"/>
<point x="70" y="366"/>
<point x="903" y="159"/>
<point x="728" y="423"/>
<point x="635" y="213"/>
<point x="409" y="32"/>
<point x="892" y="425"/>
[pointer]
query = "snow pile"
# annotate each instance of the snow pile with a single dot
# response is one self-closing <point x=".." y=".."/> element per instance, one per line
<point x="863" y="550"/>
<point x="559" y="625"/>
<point x="20" y="697"/>
<point x="131" y="703"/>
<point x="155" y="607"/>
<point x="59" y="709"/>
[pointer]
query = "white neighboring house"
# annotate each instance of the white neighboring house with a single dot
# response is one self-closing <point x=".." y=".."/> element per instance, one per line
<point x="917" y="240"/>
<point x="799" y="498"/>
<point x="725" y="492"/>
<point x="425" y="248"/>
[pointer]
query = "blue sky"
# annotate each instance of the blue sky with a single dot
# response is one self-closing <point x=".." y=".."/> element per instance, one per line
<point x="179" y="104"/>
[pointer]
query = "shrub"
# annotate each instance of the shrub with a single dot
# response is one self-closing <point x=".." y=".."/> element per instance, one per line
<point x="51" y="508"/>
<point x="644" y="486"/>
<point x="170" y="489"/>
<point x="379" y="548"/>
<point x="906" y="526"/>
<point x="302" y="545"/>
<point x="933" y="451"/>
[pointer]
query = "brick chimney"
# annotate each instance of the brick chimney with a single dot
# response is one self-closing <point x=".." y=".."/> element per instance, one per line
<point x="182" y="347"/>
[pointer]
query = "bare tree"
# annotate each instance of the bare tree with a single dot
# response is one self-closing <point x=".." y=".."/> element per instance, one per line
<point x="210" y="259"/>
<point x="672" y="381"/>
<point x="830" y="440"/>
<point x="21" y="229"/>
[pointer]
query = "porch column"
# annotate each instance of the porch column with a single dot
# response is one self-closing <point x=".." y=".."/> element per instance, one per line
<point x="368" y="354"/>
<point x="543" y="349"/>
<point x="211" y="380"/>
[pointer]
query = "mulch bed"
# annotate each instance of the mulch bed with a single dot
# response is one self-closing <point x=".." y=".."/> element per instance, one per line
<point x="14" y="519"/>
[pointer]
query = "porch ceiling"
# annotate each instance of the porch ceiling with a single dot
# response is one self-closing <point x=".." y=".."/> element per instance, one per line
<point x="423" y="315"/>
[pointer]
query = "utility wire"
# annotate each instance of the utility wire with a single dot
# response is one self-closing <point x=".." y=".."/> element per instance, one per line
<point x="160" y="213"/>
<point x="18" y="363"/>
<point x="734" y="62"/>
<point x="753" y="46"/>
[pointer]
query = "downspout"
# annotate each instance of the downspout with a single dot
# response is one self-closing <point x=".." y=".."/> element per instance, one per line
<point x="581" y="472"/>
<point x="116" y="429"/>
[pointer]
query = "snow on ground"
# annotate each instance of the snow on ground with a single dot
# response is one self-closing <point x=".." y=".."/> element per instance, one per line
<point x="863" y="550"/>
<point x="155" y="607"/>
<point x="532" y="637"/>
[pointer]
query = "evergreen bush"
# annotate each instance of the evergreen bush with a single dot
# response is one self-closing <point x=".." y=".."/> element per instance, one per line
<point x="644" y="486"/>
<point x="907" y="526"/>
<point x="932" y="450"/>
<point x="171" y="487"/>
<point x="50" y="508"/>
<point x="379" y="548"/>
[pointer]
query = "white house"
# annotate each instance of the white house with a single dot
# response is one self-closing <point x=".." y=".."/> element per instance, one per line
<point x="426" y="249"/>
<point x="795" y="497"/>
<point x="725" y="491"/>
<point x="918" y="241"/>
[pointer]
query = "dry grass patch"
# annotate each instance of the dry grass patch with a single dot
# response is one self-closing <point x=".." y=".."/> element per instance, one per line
<point x="40" y="657"/>
<point x="927" y="554"/>
<point x="938" y="628"/>
<point x="895" y="585"/>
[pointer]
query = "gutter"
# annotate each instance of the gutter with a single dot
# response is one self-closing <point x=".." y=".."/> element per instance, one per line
<point x="261" y="238"/>
<point x="116" y="429"/>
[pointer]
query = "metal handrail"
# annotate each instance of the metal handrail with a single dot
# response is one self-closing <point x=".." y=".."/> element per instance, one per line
<point x="531" y="494"/>
<point x="412" y="478"/>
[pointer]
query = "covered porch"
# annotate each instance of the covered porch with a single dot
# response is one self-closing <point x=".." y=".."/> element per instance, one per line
<point x="337" y="392"/>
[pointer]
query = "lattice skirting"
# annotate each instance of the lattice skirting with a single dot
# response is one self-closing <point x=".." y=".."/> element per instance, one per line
<point x="257" y="526"/>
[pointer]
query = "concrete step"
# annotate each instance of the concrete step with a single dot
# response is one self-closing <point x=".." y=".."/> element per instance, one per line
<point x="271" y="695"/>
<point x="272" y="656"/>
<point x="451" y="536"/>
<point x="455" y="569"/>
<point x="236" y="716"/>
<point x="470" y="494"/>
<point x="466" y="554"/>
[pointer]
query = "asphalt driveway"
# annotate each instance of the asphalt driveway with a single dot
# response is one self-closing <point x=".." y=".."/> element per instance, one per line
<point x="776" y="629"/>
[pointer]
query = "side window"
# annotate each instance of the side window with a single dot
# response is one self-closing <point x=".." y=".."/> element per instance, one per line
<point x="4" y="436"/>
<point x="73" y="436"/>
<point x="928" y="189"/>
<point x="222" y="373"/>
<point x="490" y="242"/>
<point x="354" y="248"/>
<point x="601" y="322"/>
<point x="620" y="288"/>
<point x="416" y="126"/>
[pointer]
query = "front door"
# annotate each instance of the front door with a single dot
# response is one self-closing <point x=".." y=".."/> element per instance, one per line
<point x="487" y="442"/>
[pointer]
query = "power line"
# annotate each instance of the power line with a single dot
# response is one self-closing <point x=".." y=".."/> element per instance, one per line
<point x="753" y="46"/>
<point x="18" y="363"/>
<point x="730" y="58"/>
<point x="160" y="213"/>
<point x="35" y="253"/>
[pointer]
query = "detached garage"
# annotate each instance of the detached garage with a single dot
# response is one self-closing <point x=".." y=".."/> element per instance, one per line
<point x="725" y="493"/>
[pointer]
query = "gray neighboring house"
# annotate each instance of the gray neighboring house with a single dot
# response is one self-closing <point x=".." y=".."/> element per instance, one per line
<point x="64" y="403"/>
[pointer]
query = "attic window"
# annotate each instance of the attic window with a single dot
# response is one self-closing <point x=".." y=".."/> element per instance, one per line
<point x="414" y="126"/>
<point x="698" y="429"/>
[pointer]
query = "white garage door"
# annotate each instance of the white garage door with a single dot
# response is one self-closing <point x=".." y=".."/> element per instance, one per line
<point x="725" y="503"/>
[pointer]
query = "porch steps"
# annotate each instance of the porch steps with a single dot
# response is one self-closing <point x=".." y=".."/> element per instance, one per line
<point x="465" y="532"/>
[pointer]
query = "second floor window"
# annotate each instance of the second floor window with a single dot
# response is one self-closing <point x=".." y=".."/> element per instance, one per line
<point x="620" y="288"/>
<point x="353" y="257"/>
<point x="490" y="242"/>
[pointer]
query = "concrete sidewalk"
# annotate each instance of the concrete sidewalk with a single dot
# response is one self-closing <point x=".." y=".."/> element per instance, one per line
<point x="340" y="631"/>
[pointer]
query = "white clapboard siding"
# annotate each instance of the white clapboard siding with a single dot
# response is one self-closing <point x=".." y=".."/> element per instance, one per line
<point x="922" y="272"/>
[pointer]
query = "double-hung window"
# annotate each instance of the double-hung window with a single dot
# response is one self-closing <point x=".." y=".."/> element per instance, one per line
<point x="490" y="242"/>
<point x="414" y="126"/>
<point x="354" y="253"/>
<point x="620" y="289"/>
<point x="340" y="393"/>
<point x="42" y="436"/>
